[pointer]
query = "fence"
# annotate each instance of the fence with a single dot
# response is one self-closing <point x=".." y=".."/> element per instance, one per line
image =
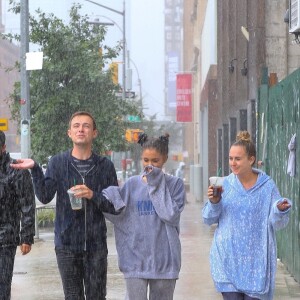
<point x="44" y="216"/>
<point x="278" y="114"/>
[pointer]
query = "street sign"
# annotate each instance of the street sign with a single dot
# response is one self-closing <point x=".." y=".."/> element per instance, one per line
<point x="4" y="124"/>
<point x="128" y="95"/>
<point x="133" y="118"/>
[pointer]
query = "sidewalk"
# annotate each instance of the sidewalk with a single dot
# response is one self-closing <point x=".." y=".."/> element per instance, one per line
<point x="36" y="276"/>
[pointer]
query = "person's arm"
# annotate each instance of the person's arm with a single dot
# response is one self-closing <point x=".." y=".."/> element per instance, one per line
<point x="115" y="195"/>
<point x="280" y="218"/>
<point x="212" y="208"/>
<point x="25" y="193"/>
<point x="280" y="211"/>
<point x="103" y="204"/>
<point x="211" y="212"/>
<point x="44" y="185"/>
<point x="168" y="204"/>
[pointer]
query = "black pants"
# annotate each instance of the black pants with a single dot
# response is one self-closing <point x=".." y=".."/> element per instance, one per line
<point x="7" y="259"/>
<point x="237" y="296"/>
<point x="82" y="274"/>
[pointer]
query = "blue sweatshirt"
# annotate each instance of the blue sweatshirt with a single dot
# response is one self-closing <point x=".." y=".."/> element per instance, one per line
<point x="147" y="230"/>
<point x="243" y="254"/>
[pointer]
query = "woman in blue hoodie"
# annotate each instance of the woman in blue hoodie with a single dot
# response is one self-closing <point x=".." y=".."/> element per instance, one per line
<point x="243" y="253"/>
<point x="147" y="229"/>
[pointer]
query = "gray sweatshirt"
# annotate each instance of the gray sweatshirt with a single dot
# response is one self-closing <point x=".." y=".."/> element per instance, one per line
<point x="147" y="229"/>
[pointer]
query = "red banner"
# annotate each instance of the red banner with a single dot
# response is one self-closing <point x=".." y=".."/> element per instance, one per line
<point x="184" y="98"/>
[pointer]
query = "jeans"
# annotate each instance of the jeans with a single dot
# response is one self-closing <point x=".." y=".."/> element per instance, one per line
<point x="237" y="296"/>
<point x="7" y="259"/>
<point x="82" y="273"/>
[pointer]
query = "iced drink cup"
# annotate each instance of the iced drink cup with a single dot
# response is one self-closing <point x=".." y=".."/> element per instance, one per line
<point x="217" y="183"/>
<point x="76" y="203"/>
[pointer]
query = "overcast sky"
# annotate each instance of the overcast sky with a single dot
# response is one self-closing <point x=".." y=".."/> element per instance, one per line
<point x="144" y="35"/>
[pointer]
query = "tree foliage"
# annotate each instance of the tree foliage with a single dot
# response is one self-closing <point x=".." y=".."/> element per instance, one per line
<point x="74" y="77"/>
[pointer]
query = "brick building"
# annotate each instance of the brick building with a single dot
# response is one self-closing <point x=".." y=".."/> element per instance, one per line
<point x="230" y="44"/>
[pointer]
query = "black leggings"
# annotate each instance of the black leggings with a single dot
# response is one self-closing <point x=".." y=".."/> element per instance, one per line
<point x="237" y="296"/>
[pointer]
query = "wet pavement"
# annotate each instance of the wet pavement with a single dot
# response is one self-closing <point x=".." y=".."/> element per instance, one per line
<point x="36" y="275"/>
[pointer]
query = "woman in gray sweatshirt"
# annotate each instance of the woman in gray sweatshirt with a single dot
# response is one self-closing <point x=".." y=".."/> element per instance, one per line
<point x="147" y="229"/>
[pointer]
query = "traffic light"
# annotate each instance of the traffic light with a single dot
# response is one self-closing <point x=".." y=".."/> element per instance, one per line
<point x="114" y="68"/>
<point x="128" y="135"/>
<point x="136" y="135"/>
<point x="132" y="135"/>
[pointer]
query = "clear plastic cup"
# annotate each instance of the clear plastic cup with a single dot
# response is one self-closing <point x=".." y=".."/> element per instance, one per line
<point x="217" y="183"/>
<point x="76" y="203"/>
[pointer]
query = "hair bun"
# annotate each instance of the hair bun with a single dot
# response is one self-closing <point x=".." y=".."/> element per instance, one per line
<point x="243" y="136"/>
<point x="165" y="138"/>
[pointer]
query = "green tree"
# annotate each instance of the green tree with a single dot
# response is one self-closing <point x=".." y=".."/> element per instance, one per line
<point x="73" y="78"/>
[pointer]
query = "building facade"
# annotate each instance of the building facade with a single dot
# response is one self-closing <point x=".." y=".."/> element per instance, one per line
<point x="238" y="40"/>
<point x="9" y="55"/>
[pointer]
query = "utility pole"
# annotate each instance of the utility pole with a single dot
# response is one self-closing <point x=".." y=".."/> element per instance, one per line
<point x="139" y="79"/>
<point x="25" y="100"/>
<point x="122" y="13"/>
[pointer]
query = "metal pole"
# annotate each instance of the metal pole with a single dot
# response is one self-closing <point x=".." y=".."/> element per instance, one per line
<point x="124" y="77"/>
<point x="25" y="100"/>
<point x="122" y="13"/>
<point x="139" y="79"/>
<point x="124" y="54"/>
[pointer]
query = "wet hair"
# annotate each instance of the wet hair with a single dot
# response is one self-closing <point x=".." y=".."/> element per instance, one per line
<point x="83" y="113"/>
<point x="161" y="144"/>
<point x="243" y="139"/>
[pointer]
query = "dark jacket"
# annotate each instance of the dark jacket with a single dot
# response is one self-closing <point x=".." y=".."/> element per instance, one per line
<point x="17" y="205"/>
<point x="84" y="229"/>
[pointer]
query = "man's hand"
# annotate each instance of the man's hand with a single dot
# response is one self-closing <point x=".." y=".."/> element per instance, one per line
<point x="82" y="191"/>
<point x="26" y="163"/>
<point x="25" y="249"/>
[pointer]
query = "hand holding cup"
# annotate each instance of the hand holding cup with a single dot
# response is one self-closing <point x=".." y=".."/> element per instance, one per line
<point x="215" y="188"/>
<point x="79" y="192"/>
<point x="76" y="202"/>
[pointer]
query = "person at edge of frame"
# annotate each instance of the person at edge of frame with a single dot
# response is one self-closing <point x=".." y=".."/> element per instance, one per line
<point x="17" y="216"/>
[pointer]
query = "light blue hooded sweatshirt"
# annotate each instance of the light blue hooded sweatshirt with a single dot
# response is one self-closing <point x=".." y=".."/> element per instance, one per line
<point x="243" y="255"/>
<point x="147" y="229"/>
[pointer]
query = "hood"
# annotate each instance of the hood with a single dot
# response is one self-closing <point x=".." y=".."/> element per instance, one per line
<point x="235" y="183"/>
